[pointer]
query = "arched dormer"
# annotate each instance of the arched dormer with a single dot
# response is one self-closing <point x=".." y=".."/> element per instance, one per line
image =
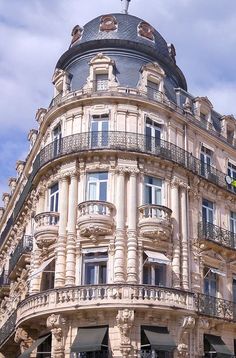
<point x="152" y="80"/>
<point x="101" y="73"/>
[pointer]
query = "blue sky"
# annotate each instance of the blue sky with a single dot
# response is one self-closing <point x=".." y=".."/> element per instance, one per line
<point x="34" y="33"/>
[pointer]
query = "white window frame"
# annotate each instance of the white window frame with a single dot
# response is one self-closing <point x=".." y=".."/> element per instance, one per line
<point x="55" y="197"/>
<point x="151" y="271"/>
<point x="207" y="211"/>
<point x="97" y="262"/>
<point x="153" y="187"/>
<point x="101" y="85"/>
<point x="97" y="182"/>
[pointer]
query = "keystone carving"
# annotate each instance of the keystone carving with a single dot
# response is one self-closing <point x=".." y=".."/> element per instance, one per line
<point x="22" y="338"/>
<point x="125" y="320"/>
<point x="57" y="325"/>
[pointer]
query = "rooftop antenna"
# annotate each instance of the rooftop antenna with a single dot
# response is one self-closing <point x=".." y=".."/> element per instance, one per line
<point x="125" y="6"/>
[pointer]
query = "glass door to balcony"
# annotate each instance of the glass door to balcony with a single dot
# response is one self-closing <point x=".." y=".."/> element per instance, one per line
<point x="99" y="131"/>
<point x="153" y="190"/>
<point x="233" y="228"/>
<point x="210" y="290"/>
<point x="206" y="159"/>
<point x="97" y="186"/>
<point x="207" y="218"/>
<point x="54" y="198"/>
<point x="153" y="135"/>
<point x="234" y="296"/>
<point x="57" y="140"/>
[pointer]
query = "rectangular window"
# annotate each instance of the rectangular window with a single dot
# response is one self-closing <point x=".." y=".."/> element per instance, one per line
<point x="232" y="174"/>
<point x="54" y="198"/>
<point x="44" y="349"/>
<point x="154" y="274"/>
<point x="152" y="190"/>
<point x="95" y="268"/>
<point x="102" y="82"/>
<point x="207" y="211"/>
<point x="153" y="91"/>
<point x="153" y="133"/>
<point x="99" y="130"/>
<point x="233" y="228"/>
<point x="97" y="186"/>
<point x="57" y="140"/>
<point x="206" y="161"/>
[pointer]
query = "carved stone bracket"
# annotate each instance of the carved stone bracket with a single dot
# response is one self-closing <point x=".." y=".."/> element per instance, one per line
<point x="23" y="339"/>
<point x="125" y="320"/>
<point x="57" y="325"/>
<point x="187" y="324"/>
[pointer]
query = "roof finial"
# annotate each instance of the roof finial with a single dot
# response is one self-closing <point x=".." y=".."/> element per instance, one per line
<point x="125" y="6"/>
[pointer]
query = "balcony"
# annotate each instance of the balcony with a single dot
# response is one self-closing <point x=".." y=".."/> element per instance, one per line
<point x="155" y="222"/>
<point x="46" y="228"/>
<point x="114" y="295"/>
<point x="4" y="284"/>
<point x="215" y="307"/>
<point x="96" y="218"/>
<point x="21" y="254"/>
<point x="213" y="235"/>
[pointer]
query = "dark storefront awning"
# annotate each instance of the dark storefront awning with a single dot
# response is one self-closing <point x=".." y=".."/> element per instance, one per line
<point x="28" y="351"/>
<point x="218" y="346"/>
<point x="89" y="339"/>
<point x="161" y="341"/>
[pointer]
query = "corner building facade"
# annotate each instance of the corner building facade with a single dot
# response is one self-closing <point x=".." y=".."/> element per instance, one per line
<point x="118" y="234"/>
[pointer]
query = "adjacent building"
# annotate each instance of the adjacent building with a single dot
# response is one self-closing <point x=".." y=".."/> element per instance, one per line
<point x="118" y="234"/>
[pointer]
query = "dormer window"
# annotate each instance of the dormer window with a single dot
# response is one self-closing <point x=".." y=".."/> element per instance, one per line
<point x="153" y="90"/>
<point x="152" y="81"/>
<point x="202" y="109"/>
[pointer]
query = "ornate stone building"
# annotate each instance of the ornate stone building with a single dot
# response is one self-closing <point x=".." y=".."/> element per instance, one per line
<point x="118" y="234"/>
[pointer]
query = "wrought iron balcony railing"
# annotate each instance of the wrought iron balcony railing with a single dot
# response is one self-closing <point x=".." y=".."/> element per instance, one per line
<point x="119" y="141"/>
<point x="24" y="247"/>
<point x="216" y="234"/>
<point x="215" y="307"/>
<point x="8" y="328"/>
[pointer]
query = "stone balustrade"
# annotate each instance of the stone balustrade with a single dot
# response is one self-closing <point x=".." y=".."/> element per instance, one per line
<point x="155" y="221"/>
<point x="95" y="218"/>
<point x="46" y="228"/>
<point x="72" y="298"/>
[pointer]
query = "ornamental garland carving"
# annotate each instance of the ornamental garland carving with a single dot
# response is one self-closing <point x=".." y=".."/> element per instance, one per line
<point x="76" y="34"/>
<point x="108" y="23"/>
<point x="146" y="30"/>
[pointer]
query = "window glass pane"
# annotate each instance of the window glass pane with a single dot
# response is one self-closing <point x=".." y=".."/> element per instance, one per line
<point x="89" y="274"/>
<point x="146" y="275"/>
<point x="103" y="273"/>
<point x="92" y="191"/>
<point x="103" y="191"/>
<point x="157" y="199"/>
<point x="94" y="126"/>
<point x="103" y="176"/>
<point x="54" y="188"/>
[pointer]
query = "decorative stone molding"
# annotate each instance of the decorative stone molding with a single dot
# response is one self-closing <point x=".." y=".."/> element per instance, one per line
<point x="146" y="30"/>
<point x="40" y="114"/>
<point x="22" y="338"/>
<point x="2" y="210"/>
<point x="125" y="321"/>
<point x="188" y="106"/>
<point x="108" y="23"/>
<point x="32" y="136"/>
<point x="76" y="34"/>
<point x="20" y="164"/>
<point x="12" y="182"/>
<point x="187" y="324"/>
<point x="61" y="81"/>
<point x="6" y="198"/>
<point x="57" y="325"/>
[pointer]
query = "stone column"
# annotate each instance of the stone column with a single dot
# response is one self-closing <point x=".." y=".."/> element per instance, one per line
<point x="184" y="236"/>
<point x="119" y="274"/>
<point x="71" y="231"/>
<point x="60" y="251"/>
<point x="176" y="238"/>
<point x="132" y="232"/>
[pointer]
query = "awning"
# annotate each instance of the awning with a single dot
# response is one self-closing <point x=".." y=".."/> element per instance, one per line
<point x="218" y="346"/>
<point x="28" y="351"/>
<point x="161" y="341"/>
<point x="41" y="268"/>
<point x="218" y="272"/>
<point x="88" y="339"/>
<point x="157" y="257"/>
<point x="94" y="250"/>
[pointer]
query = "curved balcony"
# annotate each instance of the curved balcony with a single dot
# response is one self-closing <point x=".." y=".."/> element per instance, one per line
<point x="155" y="221"/>
<point x="113" y="295"/>
<point x="46" y="228"/>
<point x="212" y="235"/>
<point x="215" y="307"/>
<point x="96" y="218"/>
<point x="21" y="254"/>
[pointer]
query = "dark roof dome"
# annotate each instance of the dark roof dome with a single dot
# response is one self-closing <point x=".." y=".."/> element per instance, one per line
<point x="127" y="33"/>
